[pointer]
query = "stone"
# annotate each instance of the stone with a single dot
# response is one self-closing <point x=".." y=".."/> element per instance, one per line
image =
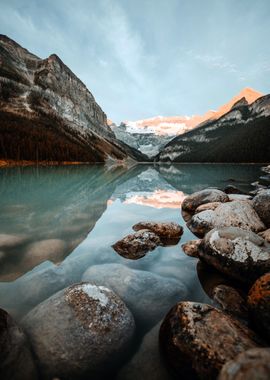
<point x="194" y="200"/>
<point x="191" y="247"/>
<point x="235" y="214"/>
<point x="230" y="189"/>
<point x="229" y="300"/>
<point x="198" y="339"/>
<point x="261" y="204"/>
<point x="259" y="304"/>
<point x="148" y="295"/>
<point x="82" y="331"/>
<point x="135" y="246"/>
<point x="16" y="361"/>
<point x="49" y="249"/>
<point x="240" y="254"/>
<point x="207" y="206"/>
<point x="265" y="235"/>
<point x="146" y="363"/>
<point x="253" y="364"/>
<point x="168" y="232"/>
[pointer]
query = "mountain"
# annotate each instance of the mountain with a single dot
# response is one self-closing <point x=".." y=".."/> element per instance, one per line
<point x="48" y="114"/>
<point x="240" y="135"/>
<point x="151" y="135"/>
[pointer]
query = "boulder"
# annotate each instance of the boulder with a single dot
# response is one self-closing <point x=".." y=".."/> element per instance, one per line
<point x="253" y="364"/>
<point x="261" y="204"/>
<point x="168" y="232"/>
<point x="16" y="361"/>
<point x="198" y="339"/>
<point x="194" y="200"/>
<point x="229" y="300"/>
<point x="135" y="246"/>
<point x="235" y="214"/>
<point x="146" y="363"/>
<point x="82" y="331"/>
<point x="259" y="304"/>
<point x="237" y="253"/>
<point x="265" y="235"/>
<point x="148" y="295"/>
<point x="239" y="197"/>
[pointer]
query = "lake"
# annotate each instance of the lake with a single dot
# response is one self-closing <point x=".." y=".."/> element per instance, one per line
<point x="56" y="222"/>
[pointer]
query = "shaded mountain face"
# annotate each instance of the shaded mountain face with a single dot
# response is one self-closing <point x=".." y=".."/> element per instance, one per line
<point x="151" y="135"/>
<point x="47" y="113"/>
<point x="241" y="135"/>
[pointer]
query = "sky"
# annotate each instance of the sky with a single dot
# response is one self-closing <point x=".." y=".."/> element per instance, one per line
<point x="142" y="58"/>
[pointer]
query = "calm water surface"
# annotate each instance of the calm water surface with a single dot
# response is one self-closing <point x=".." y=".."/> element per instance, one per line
<point x="56" y="222"/>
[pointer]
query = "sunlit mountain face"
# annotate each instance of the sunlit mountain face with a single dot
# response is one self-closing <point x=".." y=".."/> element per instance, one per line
<point x="177" y="125"/>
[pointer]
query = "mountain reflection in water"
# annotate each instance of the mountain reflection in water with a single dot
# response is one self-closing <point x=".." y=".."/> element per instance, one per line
<point x="56" y="222"/>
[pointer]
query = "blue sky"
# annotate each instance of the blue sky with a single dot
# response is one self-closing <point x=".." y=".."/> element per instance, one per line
<point x="142" y="58"/>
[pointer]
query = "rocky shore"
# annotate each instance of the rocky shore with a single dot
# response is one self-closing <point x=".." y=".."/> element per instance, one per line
<point x="86" y="327"/>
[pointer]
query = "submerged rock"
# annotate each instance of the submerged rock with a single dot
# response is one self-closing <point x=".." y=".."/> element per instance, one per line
<point x="148" y="295"/>
<point x="253" y="364"/>
<point x="261" y="204"/>
<point x="50" y="249"/>
<point x="235" y="214"/>
<point x="11" y="241"/>
<point x="83" y="330"/>
<point x="194" y="200"/>
<point x="135" y="246"/>
<point x="237" y="253"/>
<point x="230" y="301"/>
<point x="168" y="232"/>
<point x="16" y="362"/>
<point x="259" y="303"/>
<point x="197" y="339"/>
<point x="146" y="363"/>
<point x="231" y="189"/>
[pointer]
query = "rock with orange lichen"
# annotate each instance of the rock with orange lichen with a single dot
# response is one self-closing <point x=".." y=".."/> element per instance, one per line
<point x="201" y="197"/>
<point x="83" y="331"/>
<point x="259" y="303"/>
<point x="265" y="235"/>
<point x="135" y="246"/>
<point x="197" y="340"/>
<point x="253" y="364"/>
<point x="168" y="232"/>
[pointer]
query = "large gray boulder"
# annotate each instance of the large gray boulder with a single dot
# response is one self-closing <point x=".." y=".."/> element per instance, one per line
<point x="261" y="204"/>
<point x="197" y="339"/>
<point x="16" y="361"/>
<point x="238" y="253"/>
<point x="253" y="364"/>
<point x="83" y="330"/>
<point x="235" y="214"/>
<point x="148" y="295"/>
<point x="201" y="197"/>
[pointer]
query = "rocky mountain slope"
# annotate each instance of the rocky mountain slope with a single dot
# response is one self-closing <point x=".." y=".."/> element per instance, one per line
<point x="151" y="135"/>
<point x="240" y="135"/>
<point x="47" y="113"/>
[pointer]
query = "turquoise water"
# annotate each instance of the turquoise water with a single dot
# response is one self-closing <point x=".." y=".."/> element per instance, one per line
<point x="56" y="222"/>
